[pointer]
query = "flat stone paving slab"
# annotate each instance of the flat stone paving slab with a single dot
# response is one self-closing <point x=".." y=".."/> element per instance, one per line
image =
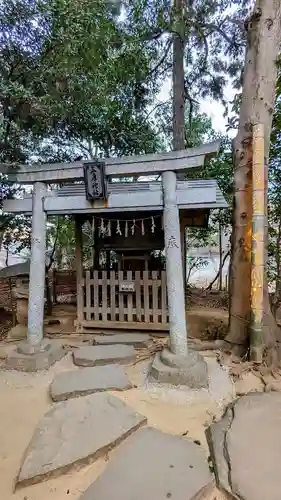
<point x="89" y="380"/>
<point x="77" y="432"/>
<point x="152" y="465"/>
<point x="246" y="447"/>
<point x="103" y="355"/>
<point x="135" y="339"/>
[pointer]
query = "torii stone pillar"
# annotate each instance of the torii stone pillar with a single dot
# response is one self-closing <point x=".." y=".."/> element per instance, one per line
<point x="34" y="353"/>
<point x="37" y="268"/>
<point x="174" y="268"/>
<point x="176" y="365"/>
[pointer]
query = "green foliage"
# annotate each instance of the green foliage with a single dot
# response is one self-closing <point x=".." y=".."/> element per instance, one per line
<point x="61" y="241"/>
<point x="194" y="264"/>
<point x="77" y="73"/>
<point x="77" y="79"/>
<point x="274" y="198"/>
<point x="71" y="81"/>
<point x="214" y="40"/>
<point x="198" y="126"/>
<point x="69" y="71"/>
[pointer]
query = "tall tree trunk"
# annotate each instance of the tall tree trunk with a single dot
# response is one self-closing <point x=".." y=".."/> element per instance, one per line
<point x="277" y="294"/>
<point x="259" y="79"/>
<point x="178" y="77"/>
<point x="178" y="92"/>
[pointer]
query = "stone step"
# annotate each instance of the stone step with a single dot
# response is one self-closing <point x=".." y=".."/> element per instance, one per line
<point x="103" y="354"/>
<point x="89" y="380"/>
<point x="77" y="432"/>
<point x="134" y="339"/>
<point x="155" y="466"/>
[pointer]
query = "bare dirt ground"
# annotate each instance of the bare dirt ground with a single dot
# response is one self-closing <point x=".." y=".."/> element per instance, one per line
<point x="25" y="399"/>
<point x="207" y="323"/>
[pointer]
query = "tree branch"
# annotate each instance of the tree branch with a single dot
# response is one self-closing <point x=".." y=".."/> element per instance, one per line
<point x="153" y="34"/>
<point x="162" y="59"/>
<point x="209" y="287"/>
<point x="218" y="29"/>
<point x="158" y="105"/>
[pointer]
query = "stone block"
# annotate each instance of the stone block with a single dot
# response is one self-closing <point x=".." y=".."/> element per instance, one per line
<point x="89" y="380"/>
<point x="190" y="370"/>
<point x="246" y="447"/>
<point x="153" y="465"/>
<point x="103" y="355"/>
<point x="42" y="360"/>
<point x="75" y="433"/>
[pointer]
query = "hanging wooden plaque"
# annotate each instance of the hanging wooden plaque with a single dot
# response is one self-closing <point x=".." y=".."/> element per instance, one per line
<point x="95" y="181"/>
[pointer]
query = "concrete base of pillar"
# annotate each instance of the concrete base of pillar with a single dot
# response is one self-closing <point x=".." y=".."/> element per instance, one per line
<point x="190" y="370"/>
<point x="27" y="359"/>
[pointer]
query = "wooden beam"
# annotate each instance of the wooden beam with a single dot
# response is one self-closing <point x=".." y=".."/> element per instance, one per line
<point x="125" y="325"/>
<point x="114" y="167"/>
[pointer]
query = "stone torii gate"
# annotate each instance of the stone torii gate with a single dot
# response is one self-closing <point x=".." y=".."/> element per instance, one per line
<point x="35" y="353"/>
